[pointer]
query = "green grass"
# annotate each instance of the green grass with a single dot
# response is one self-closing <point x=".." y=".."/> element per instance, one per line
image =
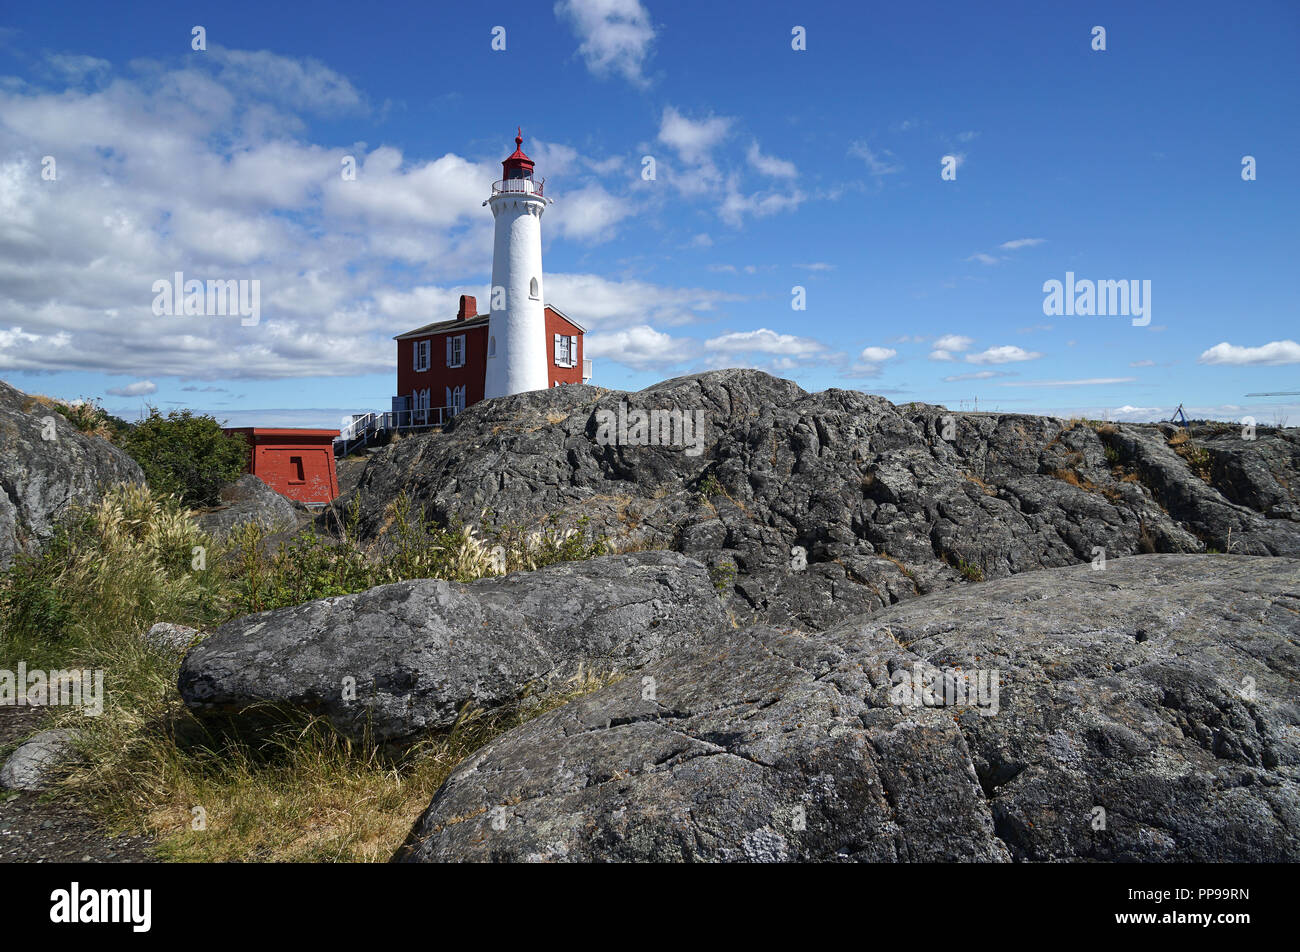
<point x="298" y="791"/>
<point x="723" y="576"/>
<point x="710" y="486"/>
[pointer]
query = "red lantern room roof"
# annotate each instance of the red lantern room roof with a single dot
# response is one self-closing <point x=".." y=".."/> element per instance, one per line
<point x="521" y="164"/>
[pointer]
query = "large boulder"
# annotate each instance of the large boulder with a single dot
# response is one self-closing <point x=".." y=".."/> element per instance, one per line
<point x="248" y="499"/>
<point x="46" y="467"/>
<point x="407" y="657"/>
<point x="816" y="507"/>
<point x="1143" y="712"/>
<point x="38" y="760"/>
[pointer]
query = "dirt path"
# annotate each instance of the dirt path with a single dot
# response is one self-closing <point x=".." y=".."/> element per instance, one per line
<point x="36" y="830"/>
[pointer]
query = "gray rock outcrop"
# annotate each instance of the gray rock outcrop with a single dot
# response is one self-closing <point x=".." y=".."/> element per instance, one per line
<point x="46" y="467"/>
<point x="1144" y="712"/>
<point x="817" y="507"/>
<point x="417" y="652"/>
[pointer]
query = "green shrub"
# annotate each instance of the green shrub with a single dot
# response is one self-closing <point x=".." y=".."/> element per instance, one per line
<point x="186" y="454"/>
<point x="29" y="604"/>
<point x="724" y="576"/>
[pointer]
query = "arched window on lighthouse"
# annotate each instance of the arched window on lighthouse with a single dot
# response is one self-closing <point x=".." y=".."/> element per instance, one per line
<point x="492" y="346"/>
<point x="532" y="289"/>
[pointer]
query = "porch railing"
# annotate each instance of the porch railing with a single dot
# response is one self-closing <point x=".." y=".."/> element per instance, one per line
<point x="367" y="428"/>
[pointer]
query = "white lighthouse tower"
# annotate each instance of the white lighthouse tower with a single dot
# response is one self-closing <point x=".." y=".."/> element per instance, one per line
<point x="516" y="358"/>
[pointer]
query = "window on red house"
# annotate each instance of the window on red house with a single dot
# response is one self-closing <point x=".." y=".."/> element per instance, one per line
<point x="295" y="470"/>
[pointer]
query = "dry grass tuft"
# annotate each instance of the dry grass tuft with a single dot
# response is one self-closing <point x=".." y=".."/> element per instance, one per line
<point x="306" y="794"/>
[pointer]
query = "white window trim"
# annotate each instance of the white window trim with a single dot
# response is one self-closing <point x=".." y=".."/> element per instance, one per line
<point x="452" y="345"/>
<point x="422" y="348"/>
<point x="570" y="350"/>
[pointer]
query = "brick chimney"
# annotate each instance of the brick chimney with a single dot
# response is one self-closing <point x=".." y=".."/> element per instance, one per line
<point x="468" y="308"/>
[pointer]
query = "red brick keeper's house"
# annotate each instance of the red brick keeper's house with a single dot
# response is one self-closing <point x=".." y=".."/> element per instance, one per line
<point x="444" y="364"/>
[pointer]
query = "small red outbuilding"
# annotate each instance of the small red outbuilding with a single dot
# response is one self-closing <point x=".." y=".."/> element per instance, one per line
<point x="296" y="463"/>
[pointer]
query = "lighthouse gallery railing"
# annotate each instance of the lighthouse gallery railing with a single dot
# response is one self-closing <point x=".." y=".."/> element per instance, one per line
<point x="527" y="186"/>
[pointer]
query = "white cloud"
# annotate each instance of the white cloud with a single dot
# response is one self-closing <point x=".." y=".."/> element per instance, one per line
<point x="877" y="355"/>
<point x="697" y="174"/>
<point x="411" y="307"/>
<point x="305" y="84"/>
<point x="640" y="347"/>
<point x="1142" y="363"/>
<point x="76" y="67"/>
<point x="590" y="213"/>
<point x="735" y="205"/>
<point x="138" y="389"/>
<point x="693" y="181"/>
<point x="878" y="162"/>
<point x="953" y="342"/>
<point x="22" y="350"/>
<point x="978" y="375"/>
<point x="615" y="34"/>
<point x="770" y="165"/>
<point x="599" y="303"/>
<point x="1021" y="243"/>
<point x="764" y="341"/>
<point x="948" y="346"/>
<point x="693" y="139"/>
<point x="1267" y="355"/>
<point x="387" y="189"/>
<point x="1005" y="354"/>
<point x="1013" y="245"/>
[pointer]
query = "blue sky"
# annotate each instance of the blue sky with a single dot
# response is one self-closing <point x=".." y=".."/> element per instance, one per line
<point x="774" y="169"/>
